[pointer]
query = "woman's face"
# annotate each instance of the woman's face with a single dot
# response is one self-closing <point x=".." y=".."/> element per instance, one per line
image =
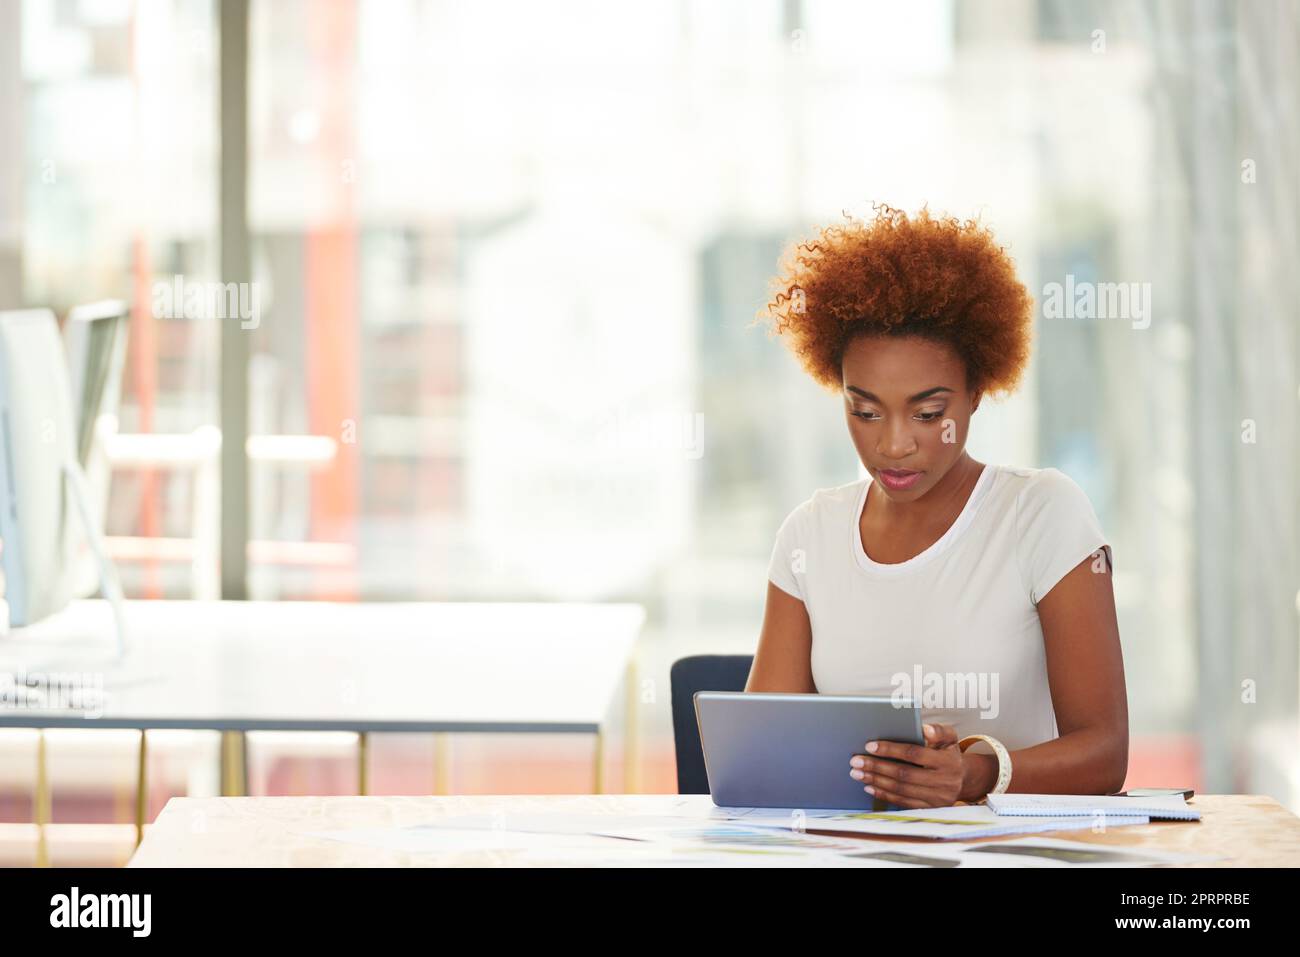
<point x="908" y="409"/>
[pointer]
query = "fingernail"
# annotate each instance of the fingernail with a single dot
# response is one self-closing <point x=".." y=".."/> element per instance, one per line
<point x="871" y="746"/>
<point x="857" y="762"/>
<point x="929" y="728"/>
<point x="869" y="789"/>
<point x="857" y="775"/>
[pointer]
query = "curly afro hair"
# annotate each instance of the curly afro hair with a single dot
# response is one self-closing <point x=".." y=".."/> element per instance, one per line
<point x="935" y="277"/>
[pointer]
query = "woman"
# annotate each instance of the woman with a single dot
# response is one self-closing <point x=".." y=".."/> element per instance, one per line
<point x="981" y="591"/>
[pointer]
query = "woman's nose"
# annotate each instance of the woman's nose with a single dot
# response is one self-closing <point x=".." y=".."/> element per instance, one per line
<point x="896" y="441"/>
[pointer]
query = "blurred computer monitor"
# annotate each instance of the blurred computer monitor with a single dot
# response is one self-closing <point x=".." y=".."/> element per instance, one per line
<point x="39" y="527"/>
<point x="95" y="337"/>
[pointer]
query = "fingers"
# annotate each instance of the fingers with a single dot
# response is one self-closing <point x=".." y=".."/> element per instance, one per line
<point x="909" y="797"/>
<point x="940" y="735"/>
<point x="910" y="775"/>
<point x="892" y="773"/>
<point x="918" y="754"/>
<point x="901" y="781"/>
<point x="910" y="801"/>
<point x="937" y="737"/>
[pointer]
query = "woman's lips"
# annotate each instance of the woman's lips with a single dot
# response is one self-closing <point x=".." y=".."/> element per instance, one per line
<point x="898" y="479"/>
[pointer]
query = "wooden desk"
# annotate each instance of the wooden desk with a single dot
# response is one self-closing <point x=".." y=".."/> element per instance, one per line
<point x="1250" y="830"/>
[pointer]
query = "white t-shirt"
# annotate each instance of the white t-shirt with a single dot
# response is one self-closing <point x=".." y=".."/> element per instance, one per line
<point x="956" y="626"/>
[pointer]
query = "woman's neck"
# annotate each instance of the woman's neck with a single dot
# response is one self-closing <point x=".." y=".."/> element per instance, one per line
<point x="941" y="504"/>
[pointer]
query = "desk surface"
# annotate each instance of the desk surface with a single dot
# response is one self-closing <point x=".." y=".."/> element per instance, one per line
<point x="1249" y="830"/>
<point x="321" y="666"/>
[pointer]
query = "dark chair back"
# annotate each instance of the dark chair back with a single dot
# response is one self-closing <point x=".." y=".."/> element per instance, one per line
<point x="689" y="675"/>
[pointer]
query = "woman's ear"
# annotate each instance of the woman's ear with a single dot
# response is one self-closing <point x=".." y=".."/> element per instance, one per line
<point x="975" y="400"/>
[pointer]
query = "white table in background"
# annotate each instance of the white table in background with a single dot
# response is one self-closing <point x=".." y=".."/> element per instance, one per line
<point x="443" y="668"/>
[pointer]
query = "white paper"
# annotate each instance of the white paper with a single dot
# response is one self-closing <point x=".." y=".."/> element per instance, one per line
<point x="753" y="847"/>
<point x="1047" y="852"/>
<point x="943" y="823"/>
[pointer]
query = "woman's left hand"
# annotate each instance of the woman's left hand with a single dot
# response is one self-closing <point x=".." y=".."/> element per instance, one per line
<point x="911" y="775"/>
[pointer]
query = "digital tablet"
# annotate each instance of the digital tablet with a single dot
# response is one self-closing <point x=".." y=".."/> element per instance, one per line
<point x="793" y="750"/>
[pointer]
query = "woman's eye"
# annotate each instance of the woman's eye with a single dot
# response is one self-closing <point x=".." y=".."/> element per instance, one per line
<point x="923" y="416"/>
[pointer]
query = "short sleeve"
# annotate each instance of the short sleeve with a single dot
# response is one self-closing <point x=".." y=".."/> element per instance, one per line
<point x="1056" y="529"/>
<point x="789" y="555"/>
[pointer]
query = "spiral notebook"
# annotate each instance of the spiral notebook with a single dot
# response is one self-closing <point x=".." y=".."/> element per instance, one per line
<point x="1170" y="808"/>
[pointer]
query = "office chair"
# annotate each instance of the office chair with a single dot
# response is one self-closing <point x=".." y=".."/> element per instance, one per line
<point x="689" y="675"/>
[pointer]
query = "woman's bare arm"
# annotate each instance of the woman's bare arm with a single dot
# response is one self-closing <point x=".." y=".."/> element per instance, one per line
<point x="1085" y="670"/>
<point x="784" y="658"/>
